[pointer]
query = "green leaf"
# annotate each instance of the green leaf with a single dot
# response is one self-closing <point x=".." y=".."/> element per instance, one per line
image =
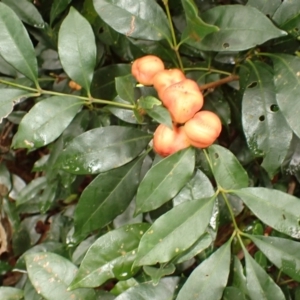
<point x="237" y="29"/>
<point x="209" y="279"/>
<point x="57" y="7"/>
<point x="102" y="149"/>
<point x="157" y="273"/>
<point x="259" y="283"/>
<point x="164" y="290"/>
<point x="26" y="11"/>
<point x="125" y="88"/>
<point x="148" y="102"/>
<point x="161" y="115"/>
<point x="226" y="168"/>
<point x="233" y="293"/>
<point x="287" y="16"/>
<point x="198" y="187"/>
<point x="283" y="253"/>
<point x="275" y="208"/>
<point x="164" y="180"/>
<point x="267" y="7"/>
<point x="46" y="121"/>
<point x="110" y="256"/>
<point x="10" y="97"/>
<point x="142" y="19"/>
<point x="106" y="197"/>
<point x="77" y="48"/>
<point x="51" y="274"/>
<point x="196" y="29"/>
<point x="103" y="85"/>
<point x="238" y="277"/>
<point x="287" y="83"/>
<point x="171" y="235"/>
<point x="16" y="47"/>
<point x="11" y="293"/>
<point x="265" y="128"/>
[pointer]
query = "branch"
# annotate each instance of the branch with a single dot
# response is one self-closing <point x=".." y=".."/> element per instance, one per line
<point x="214" y="84"/>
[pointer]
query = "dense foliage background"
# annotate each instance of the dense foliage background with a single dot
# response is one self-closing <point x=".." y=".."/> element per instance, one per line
<point x="88" y="211"/>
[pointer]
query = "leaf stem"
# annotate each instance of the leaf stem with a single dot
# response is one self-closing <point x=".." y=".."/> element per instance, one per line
<point x="214" y="84"/>
<point x="230" y="211"/>
<point x="173" y="44"/>
<point x="209" y="70"/>
<point x="22" y="87"/>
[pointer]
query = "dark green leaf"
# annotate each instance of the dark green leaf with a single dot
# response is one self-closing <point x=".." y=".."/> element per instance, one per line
<point x="260" y="285"/>
<point x="5" y="180"/>
<point x="165" y="290"/>
<point x="208" y="280"/>
<point x="11" y="293"/>
<point x="237" y="29"/>
<point x="16" y="47"/>
<point x="267" y="7"/>
<point x="283" y="253"/>
<point x="287" y="83"/>
<point x="195" y="29"/>
<point x="226" y="168"/>
<point x="123" y="114"/>
<point x="125" y="88"/>
<point x="110" y="256"/>
<point x="106" y="197"/>
<point x="46" y="121"/>
<point x="51" y="274"/>
<point x="148" y="102"/>
<point x="102" y="149"/>
<point x="142" y="19"/>
<point x="172" y="234"/>
<point x="275" y="208"/>
<point x="103" y="84"/>
<point x="265" y="128"/>
<point x="26" y="11"/>
<point x="161" y="115"/>
<point x="57" y="7"/>
<point x="163" y="181"/>
<point x="77" y="48"/>
<point x="198" y="187"/>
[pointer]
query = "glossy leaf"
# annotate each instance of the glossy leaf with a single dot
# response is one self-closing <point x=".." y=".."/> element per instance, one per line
<point x="161" y="115"/>
<point x="26" y="11"/>
<point x="157" y="273"/>
<point x="50" y="274"/>
<point x="226" y="168"/>
<point x="11" y="293"/>
<point x="266" y="129"/>
<point x="260" y="285"/>
<point x="10" y="97"/>
<point x="57" y="7"/>
<point x="110" y="256"/>
<point x="171" y="235"/>
<point x="237" y="29"/>
<point x="46" y="121"/>
<point x="198" y="187"/>
<point x="103" y="84"/>
<point x="283" y="253"/>
<point x="77" y="48"/>
<point x="102" y="149"/>
<point x="165" y="289"/>
<point x="196" y="29"/>
<point x="164" y="180"/>
<point x="142" y="19"/>
<point x="209" y="279"/>
<point x="106" y="197"/>
<point x="16" y="47"/>
<point x="275" y="208"/>
<point x="287" y="83"/>
<point x="125" y="88"/>
<point x="268" y="7"/>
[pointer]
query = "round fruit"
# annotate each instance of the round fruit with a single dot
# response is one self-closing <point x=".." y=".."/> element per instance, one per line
<point x="144" y="68"/>
<point x="74" y="86"/>
<point x="165" y="78"/>
<point x="203" y="129"/>
<point x="183" y="100"/>
<point x="167" y="141"/>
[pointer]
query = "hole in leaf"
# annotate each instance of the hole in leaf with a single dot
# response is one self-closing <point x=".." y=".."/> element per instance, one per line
<point x="101" y="30"/>
<point x="252" y="85"/>
<point x="261" y="118"/>
<point x="226" y="45"/>
<point x="296" y="29"/>
<point x="283" y="216"/>
<point x="274" y="108"/>
<point x="216" y="155"/>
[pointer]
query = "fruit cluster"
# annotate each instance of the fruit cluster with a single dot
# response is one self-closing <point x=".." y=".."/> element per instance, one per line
<point x="183" y="98"/>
